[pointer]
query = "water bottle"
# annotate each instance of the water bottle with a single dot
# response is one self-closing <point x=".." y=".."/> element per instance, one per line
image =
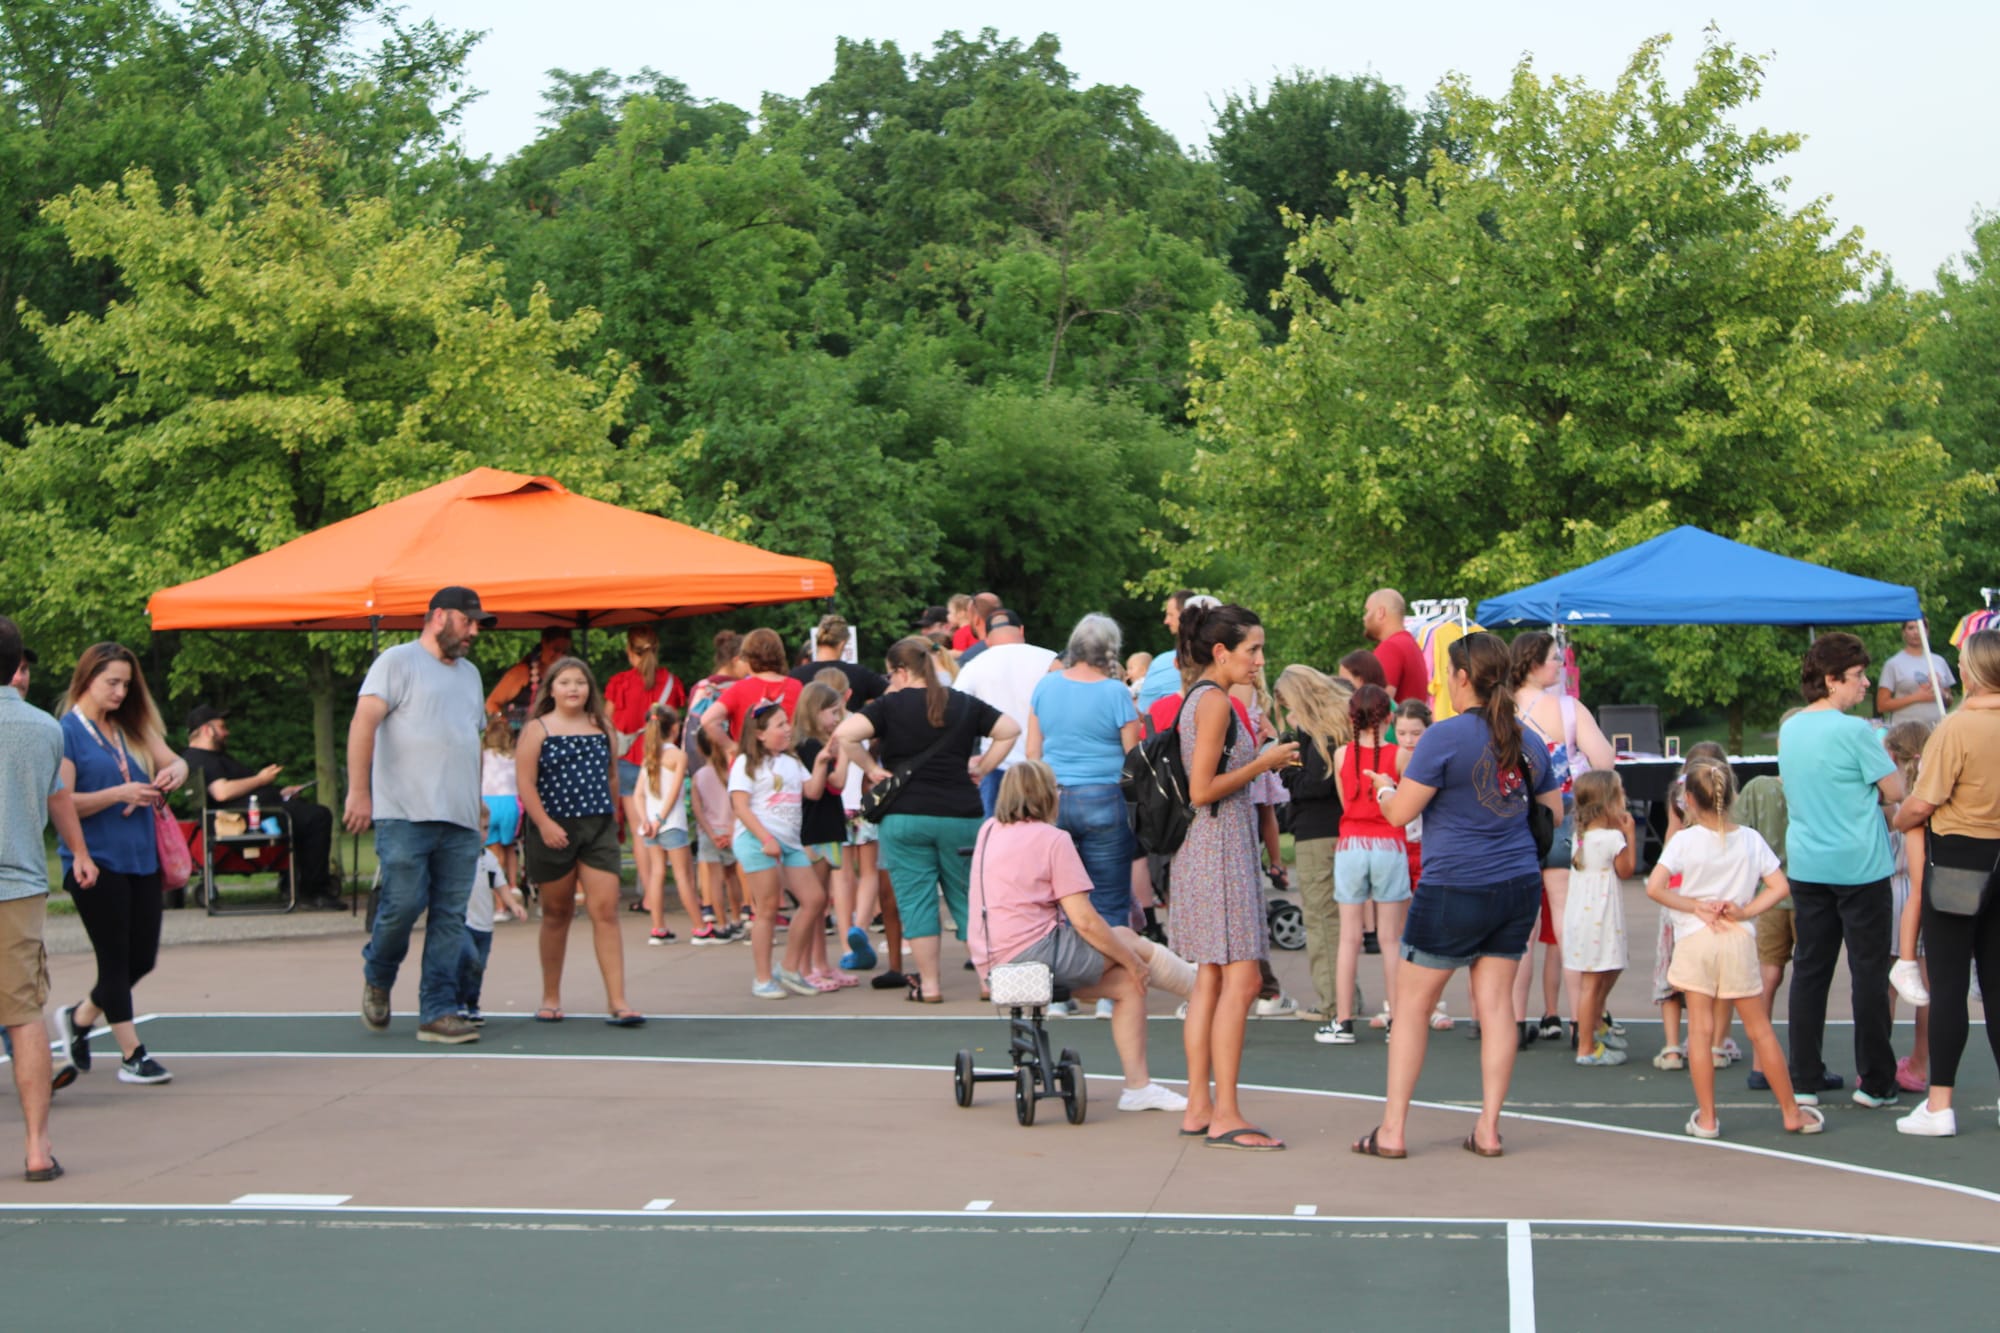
<point x="251" y="822"/>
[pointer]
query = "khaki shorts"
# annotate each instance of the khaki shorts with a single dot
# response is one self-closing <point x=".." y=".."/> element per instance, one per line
<point x="1722" y="963"/>
<point x="1776" y="939"/>
<point x="24" y="963"/>
<point x="593" y="842"/>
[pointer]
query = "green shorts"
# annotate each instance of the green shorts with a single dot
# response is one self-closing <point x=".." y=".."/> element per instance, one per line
<point x="593" y="842"/>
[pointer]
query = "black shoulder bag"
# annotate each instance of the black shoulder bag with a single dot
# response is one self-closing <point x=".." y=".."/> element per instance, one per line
<point x="1949" y="889"/>
<point x="1541" y="822"/>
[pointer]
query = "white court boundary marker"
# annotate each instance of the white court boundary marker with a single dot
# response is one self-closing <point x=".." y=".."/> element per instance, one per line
<point x="774" y="1017"/>
<point x="358" y="1214"/>
<point x="1679" y="1140"/>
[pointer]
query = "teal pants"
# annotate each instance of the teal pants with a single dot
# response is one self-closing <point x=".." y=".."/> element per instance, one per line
<point x="919" y="853"/>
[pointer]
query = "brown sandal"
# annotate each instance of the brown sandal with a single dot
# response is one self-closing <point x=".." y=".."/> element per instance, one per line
<point x="1368" y="1147"/>
<point x="1472" y="1146"/>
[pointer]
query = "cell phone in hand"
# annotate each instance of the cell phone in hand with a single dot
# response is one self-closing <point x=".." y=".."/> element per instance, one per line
<point x="305" y="787"/>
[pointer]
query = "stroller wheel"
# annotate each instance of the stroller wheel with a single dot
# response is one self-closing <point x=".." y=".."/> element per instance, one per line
<point x="961" y="1079"/>
<point x="1287" y="925"/>
<point x="1024" y="1094"/>
<point x="1069" y="1057"/>
<point x="1075" y="1092"/>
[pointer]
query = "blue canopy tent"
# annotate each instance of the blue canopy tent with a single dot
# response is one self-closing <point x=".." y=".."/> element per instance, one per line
<point x="1692" y="577"/>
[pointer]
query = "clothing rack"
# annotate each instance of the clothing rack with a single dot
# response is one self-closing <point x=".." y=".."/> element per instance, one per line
<point x="1443" y="608"/>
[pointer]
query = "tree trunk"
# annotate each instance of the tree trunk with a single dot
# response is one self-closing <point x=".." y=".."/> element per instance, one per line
<point x="1736" y="727"/>
<point x="328" y="789"/>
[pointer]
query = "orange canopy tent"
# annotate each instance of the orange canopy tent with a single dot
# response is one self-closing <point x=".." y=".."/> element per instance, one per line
<point x="536" y="554"/>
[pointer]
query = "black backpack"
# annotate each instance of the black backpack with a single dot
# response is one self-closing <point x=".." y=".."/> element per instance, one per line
<point x="1155" y="784"/>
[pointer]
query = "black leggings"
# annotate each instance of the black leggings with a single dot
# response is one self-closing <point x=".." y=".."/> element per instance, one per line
<point x="122" y="915"/>
<point x="1953" y="946"/>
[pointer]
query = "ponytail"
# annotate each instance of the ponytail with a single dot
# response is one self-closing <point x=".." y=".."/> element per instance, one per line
<point x="660" y="723"/>
<point x="1488" y="667"/>
<point x="645" y="641"/>
<point x="914" y="656"/>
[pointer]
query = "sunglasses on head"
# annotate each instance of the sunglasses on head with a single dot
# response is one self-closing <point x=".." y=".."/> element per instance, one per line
<point x="763" y="710"/>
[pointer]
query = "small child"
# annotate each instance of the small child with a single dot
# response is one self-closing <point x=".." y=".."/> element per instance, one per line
<point x="1672" y="1054"/>
<point x="823" y="823"/>
<point x="721" y="886"/>
<point x="662" y="799"/>
<point x="499" y="791"/>
<point x="487" y="884"/>
<point x="1412" y="719"/>
<point x="1593" y="928"/>
<point x="1905" y="744"/>
<point x="1136" y="667"/>
<point x="768" y="787"/>
<point x="1715" y="959"/>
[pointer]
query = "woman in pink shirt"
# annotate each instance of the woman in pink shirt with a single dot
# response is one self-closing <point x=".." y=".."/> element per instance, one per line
<point x="1030" y="901"/>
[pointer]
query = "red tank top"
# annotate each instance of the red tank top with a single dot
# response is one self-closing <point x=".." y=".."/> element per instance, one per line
<point x="1360" y="812"/>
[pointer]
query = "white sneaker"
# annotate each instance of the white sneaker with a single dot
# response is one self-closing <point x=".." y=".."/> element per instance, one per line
<point x="1925" y="1123"/>
<point x="1908" y="979"/>
<point x="1278" y="1006"/>
<point x="1061" y="1009"/>
<point x="1152" y="1097"/>
<point x="1182" y="1011"/>
<point x="1104" y="1009"/>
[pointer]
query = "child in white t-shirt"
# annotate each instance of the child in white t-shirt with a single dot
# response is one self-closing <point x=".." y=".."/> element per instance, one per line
<point x="768" y="787"/>
<point x="1719" y="865"/>
<point x="487" y="884"/>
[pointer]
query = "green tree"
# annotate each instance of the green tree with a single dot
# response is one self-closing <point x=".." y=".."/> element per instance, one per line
<point x="1289" y="150"/>
<point x="200" y="95"/>
<point x="1961" y="355"/>
<point x="280" y="362"/>
<point x="1599" y="324"/>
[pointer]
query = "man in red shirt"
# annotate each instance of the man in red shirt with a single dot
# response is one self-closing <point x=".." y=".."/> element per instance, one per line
<point x="1395" y="648"/>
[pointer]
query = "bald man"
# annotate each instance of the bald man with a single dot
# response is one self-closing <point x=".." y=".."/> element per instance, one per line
<point x="1402" y="661"/>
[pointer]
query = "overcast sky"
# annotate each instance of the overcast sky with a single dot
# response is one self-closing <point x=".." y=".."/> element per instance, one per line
<point x="1888" y="96"/>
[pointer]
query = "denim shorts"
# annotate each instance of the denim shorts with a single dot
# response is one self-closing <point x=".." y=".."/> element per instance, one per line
<point x="708" y="852"/>
<point x="751" y="856"/>
<point x="1451" y="925"/>
<point x="628" y="777"/>
<point x="668" y="839"/>
<point x="1364" y="872"/>
<point x="1561" y="850"/>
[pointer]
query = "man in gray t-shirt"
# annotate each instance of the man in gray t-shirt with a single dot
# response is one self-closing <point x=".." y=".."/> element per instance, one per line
<point x="415" y="735"/>
<point x="1903" y="694"/>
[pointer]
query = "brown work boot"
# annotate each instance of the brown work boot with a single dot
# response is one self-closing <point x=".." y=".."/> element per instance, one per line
<point x="374" y="1008"/>
<point x="450" y="1029"/>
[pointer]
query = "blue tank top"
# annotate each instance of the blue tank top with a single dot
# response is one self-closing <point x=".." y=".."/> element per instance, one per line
<point x="573" y="775"/>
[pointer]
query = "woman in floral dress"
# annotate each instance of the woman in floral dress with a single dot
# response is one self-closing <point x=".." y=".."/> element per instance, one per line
<point x="1216" y="917"/>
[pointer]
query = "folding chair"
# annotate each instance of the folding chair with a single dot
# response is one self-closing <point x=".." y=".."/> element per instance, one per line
<point x="249" y="852"/>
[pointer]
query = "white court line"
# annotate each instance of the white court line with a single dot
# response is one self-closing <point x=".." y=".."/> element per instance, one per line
<point x="979" y="1206"/>
<point x="291" y="1200"/>
<point x="1306" y="1210"/>
<point x="1679" y="1140"/>
<point x="95" y="1031"/>
<point x="357" y="1215"/>
<point x="1520" y="1278"/>
<point x="658" y="1206"/>
<point x="775" y="1017"/>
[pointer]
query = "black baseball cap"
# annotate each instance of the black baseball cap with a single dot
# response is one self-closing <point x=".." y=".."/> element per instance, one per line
<point x="201" y="715"/>
<point x="932" y="617"/>
<point x="1003" y="619"/>
<point x="464" y="600"/>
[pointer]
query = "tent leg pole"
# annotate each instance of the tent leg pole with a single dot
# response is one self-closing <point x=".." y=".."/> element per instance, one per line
<point x="1924" y="635"/>
<point x="374" y="636"/>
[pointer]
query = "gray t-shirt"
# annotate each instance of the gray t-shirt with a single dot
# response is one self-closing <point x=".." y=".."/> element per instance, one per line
<point x="31" y="753"/>
<point x="427" y="749"/>
<point x="1906" y="673"/>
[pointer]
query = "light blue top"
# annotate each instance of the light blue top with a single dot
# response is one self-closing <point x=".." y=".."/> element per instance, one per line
<point x="1830" y="763"/>
<point x="1162" y="679"/>
<point x="1080" y="721"/>
<point x="31" y="751"/>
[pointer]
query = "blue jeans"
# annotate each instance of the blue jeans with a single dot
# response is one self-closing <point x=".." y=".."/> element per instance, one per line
<point x="1094" y="818"/>
<point x="989" y="790"/>
<point x="472" y="966"/>
<point x="426" y="866"/>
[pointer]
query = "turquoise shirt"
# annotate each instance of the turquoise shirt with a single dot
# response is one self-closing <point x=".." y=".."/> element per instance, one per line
<point x="1830" y="763"/>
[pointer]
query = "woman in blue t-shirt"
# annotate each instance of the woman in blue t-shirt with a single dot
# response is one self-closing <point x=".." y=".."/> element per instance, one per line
<point x="1470" y="777"/>
<point x="116" y="761"/>
<point x="1080" y="723"/>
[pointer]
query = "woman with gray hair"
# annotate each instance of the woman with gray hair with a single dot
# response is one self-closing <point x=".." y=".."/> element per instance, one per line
<point x="1080" y="723"/>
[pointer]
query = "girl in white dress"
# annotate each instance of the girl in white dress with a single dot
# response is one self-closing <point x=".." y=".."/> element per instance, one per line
<point x="1593" y="925"/>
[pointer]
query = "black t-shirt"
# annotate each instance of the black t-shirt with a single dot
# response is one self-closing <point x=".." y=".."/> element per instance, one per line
<point x="864" y="686"/>
<point x="942" y="786"/>
<point x="1315" y="796"/>
<point x="221" y="766"/>
<point x="823" y="820"/>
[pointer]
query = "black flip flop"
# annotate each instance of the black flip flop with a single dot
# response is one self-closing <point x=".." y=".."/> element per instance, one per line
<point x="1234" y="1141"/>
<point x="1472" y="1146"/>
<point x="890" y="980"/>
<point x="1201" y="1133"/>
<point x="43" y="1175"/>
<point x="628" y="1019"/>
<point x="1368" y="1147"/>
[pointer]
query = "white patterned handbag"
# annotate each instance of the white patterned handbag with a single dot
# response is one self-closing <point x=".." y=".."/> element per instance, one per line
<point x="1013" y="985"/>
<point x="1021" y="985"/>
